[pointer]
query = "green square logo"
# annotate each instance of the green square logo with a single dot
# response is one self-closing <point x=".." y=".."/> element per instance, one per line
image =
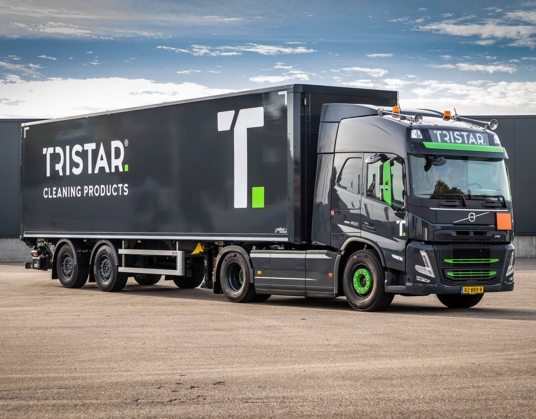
<point x="257" y="197"/>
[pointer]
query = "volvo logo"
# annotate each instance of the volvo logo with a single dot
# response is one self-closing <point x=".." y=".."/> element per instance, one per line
<point x="471" y="217"/>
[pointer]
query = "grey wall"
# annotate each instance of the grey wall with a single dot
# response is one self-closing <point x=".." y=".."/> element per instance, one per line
<point x="518" y="136"/>
<point x="9" y="175"/>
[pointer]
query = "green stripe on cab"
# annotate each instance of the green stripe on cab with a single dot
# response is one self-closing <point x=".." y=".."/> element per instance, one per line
<point x="464" y="147"/>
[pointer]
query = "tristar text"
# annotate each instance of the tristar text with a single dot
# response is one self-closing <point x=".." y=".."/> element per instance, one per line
<point x="69" y="160"/>
<point x="459" y="137"/>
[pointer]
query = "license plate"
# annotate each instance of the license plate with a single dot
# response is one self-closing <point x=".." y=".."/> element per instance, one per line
<point x="471" y="290"/>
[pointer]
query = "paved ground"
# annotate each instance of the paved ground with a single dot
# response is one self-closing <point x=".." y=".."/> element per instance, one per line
<point x="164" y="352"/>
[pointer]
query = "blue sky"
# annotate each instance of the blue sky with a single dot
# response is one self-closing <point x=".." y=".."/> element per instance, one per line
<point x="69" y="57"/>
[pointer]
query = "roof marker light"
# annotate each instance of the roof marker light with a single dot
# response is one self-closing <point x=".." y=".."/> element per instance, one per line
<point x="396" y="111"/>
<point x="418" y="118"/>
<point x="446" y="116"/>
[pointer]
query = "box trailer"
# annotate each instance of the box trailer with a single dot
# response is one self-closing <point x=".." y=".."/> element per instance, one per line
<point x="264" y="192"/>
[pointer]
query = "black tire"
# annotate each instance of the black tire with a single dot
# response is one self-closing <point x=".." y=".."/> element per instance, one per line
<point x="260" y="298"/>
<point x="363" y="283"/>
<point x="106" y="272"/>
<point x="189" y="282"/>
<point x="235" y="279"/>
<point x="70" y="273"/>
<point x="459" y="301"/>
<point x="150" y="279"/>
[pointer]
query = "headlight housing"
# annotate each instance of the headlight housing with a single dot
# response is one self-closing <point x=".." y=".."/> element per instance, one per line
<point x="427" y="268"/>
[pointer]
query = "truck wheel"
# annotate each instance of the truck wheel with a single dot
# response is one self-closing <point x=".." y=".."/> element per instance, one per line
<point x="106" y="272"/>
<point x="363" y="283"/>
<point x="70" y="273"/>
<point x="189" y="282"/>
<point x="235" y="279"/>
<point x="148" y="280"/>
<point x="460" y="301"/>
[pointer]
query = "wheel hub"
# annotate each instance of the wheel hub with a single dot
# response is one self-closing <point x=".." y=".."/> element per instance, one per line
<point x="105" y="269"/>
<point x="362" y="281"/>
<point x="67" y="266"/>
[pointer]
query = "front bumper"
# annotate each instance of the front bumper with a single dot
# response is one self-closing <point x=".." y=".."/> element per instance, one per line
<point x="416" y="283"/>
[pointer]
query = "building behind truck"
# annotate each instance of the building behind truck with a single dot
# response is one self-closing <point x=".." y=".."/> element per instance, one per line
<point x="296" y="190"/>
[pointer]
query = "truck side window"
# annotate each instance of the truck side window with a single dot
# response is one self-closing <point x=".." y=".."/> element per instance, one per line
<point x="350" y="176"/>
<point x="373" y="180"/>
<point x="398" y="184"/>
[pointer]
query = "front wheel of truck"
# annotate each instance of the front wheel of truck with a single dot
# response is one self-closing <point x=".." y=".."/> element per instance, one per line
<point x="459" y="301"/>
<point x="363" y="283"/>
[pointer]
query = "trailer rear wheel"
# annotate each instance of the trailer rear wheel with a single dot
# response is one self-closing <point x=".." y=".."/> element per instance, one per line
<point x="189" y="282"/>
<point x="148" y="280"/>
<point x="363" y="283"/>
<point x="70" y="273"/>
<point x="460" y="301"/>
<point x="106" y="271"/>
<point x="235" y="279"/>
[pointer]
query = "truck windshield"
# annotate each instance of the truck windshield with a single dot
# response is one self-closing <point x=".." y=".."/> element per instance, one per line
<point x="474" y="178"/>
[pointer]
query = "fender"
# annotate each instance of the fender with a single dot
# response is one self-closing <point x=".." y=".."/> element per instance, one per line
<point x="80" y="251"/>
<point x="367" y="242"/>
<point x="228" y="249"/>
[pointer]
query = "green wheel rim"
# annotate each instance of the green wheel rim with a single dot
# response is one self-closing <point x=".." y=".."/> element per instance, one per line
<point x="241" y="277"/>
<point x="362" y="281"/>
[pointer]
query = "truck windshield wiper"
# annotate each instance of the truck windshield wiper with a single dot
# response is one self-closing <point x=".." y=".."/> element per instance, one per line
<point x="501" y="197"/>
<point x="448" y="195"/>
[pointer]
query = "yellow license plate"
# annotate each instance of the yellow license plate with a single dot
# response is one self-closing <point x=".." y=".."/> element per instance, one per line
<point x="472" y="290"/>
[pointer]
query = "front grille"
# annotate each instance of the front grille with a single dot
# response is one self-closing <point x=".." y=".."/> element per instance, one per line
<point x="467" y="236"/>
<point x="470" y="264"/>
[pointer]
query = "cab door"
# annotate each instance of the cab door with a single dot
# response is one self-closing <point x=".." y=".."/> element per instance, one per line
<point x="383" y="220"/>
<point x="346" y="197"/>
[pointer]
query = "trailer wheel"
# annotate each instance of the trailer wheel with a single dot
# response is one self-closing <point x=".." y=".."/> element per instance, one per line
<point x="235" y="279"/>
<point x="106" y="272"/>
<point x="189" y="282"/>
<point x="363" y="283"/>
<point x="70" y="273"/>
<point x="460" y="301"/>
<point x="148" y="280"/>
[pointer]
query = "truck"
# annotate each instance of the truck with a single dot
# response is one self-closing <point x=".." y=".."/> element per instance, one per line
<point x="297" y="190"/>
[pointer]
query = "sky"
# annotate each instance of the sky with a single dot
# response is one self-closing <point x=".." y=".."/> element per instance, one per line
<point x="63" y="58"/>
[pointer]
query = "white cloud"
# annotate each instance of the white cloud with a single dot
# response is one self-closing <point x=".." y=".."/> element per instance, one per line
<point x="290" y="75"/>
<point x="490" y="31"/>
<point x="379" y="55"/>
<point x="29" y="99"/>
<point x="492" y="68"/>
<point x="95" y="62"/>
<point x="61" y="28"/>
<point x="522" y="15"/>
<point x="188" y="71"/>
<point x="228" y="50"/>
<point x="501" y="98"/>
<point x="46" y="57"/>
<point x="374" y="72"/>
<point x="283" y="66"/>
<point x="19" y="68"/>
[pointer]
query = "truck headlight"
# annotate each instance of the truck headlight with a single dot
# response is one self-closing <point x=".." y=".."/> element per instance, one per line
<point x="427" y="268"/>
<point x="510" y="270"/>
